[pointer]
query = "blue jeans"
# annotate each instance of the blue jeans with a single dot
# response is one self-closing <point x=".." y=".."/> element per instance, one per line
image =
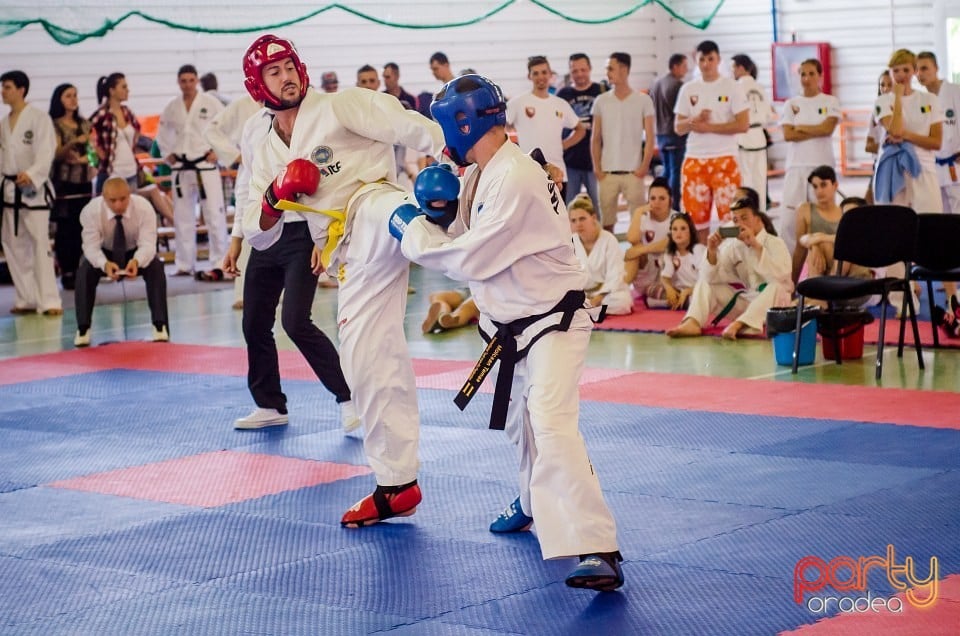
<point x="577" y="179"/>
<point x="672" y="150"/>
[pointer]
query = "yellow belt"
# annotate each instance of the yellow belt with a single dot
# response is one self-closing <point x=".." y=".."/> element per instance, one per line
<point x="335" y="230"/>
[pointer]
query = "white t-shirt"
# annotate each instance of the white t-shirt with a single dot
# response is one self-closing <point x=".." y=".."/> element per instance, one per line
<point x="920" y="111"/>
<point x="949" y="97"/>
<point x="621" y="129"/>
<point x="683" y="270"/>
<point x="810" y="111"/>
<point x="760" y="114"/>
<point x="540" y="123"/>
<point x="725" y="99"/>
<point x="124" y="162"/>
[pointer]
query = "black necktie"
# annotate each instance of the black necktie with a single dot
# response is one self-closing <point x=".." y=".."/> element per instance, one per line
<point x="119" y="243"/>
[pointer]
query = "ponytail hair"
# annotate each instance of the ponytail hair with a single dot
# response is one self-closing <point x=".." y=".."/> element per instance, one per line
<point x="104" y="84"/>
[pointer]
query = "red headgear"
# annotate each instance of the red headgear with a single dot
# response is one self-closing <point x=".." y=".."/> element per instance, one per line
<point x="266" y="50"/>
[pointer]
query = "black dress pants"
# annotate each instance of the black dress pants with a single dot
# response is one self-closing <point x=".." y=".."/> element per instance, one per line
<point x="285" y="267"/>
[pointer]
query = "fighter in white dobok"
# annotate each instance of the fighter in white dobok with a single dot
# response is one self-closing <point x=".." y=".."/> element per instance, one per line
<point x="509" y="238"/>
<point x="329" y="156"/>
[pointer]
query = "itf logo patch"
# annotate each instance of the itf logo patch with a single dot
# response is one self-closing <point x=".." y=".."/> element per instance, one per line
<point x="321" y="155"/>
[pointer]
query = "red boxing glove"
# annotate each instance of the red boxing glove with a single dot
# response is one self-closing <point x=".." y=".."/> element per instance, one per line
<point x="299" y="177"/>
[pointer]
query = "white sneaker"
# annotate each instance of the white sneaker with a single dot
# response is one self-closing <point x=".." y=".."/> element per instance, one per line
<point x="348" y="417"/>
<point x="82" y="339"/>
<point x="261" y="418"/>
<point x="161" y="335"/>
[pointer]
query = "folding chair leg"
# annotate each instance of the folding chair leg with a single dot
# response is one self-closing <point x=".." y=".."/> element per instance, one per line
<point x="884" y="303"/>
<point x="796" y="336"/>
<point x="931" y="304"/>
<point x="916" y="332"/>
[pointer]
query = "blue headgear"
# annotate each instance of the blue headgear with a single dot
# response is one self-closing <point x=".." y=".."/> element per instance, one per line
<point x="466" y="108"/>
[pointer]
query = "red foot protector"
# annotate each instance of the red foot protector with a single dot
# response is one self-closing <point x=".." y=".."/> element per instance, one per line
<point x="383" y="503"/>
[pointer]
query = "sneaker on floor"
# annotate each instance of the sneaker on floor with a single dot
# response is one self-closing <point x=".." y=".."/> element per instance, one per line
<point x="82" y="338"/>
<point x="261" y="418"/>
<point x="348" y="417"/>
<point x="161" y="335"/>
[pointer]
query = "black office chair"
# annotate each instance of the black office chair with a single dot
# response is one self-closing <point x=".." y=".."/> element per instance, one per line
<point x="871" y="236"/>
<point x="938" y="255"/>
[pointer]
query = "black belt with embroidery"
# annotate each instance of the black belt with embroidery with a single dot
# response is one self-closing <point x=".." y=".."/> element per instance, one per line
<point x="502" y="346"/>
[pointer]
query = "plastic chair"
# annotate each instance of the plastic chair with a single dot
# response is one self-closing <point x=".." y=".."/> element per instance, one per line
<point x="871" y="236"/>
<point x="938" y="255"/>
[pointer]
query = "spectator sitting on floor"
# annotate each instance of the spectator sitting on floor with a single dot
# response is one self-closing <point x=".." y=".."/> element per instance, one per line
<point x="682" y="262"/>
<point x="743" y="277"/>
<point x="647" y="234"/>
<point x="601" y="257"/>
<point x="450" y="309"/>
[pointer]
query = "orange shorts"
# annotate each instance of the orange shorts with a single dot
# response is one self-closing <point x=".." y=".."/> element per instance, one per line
<point x="706" y="182"/>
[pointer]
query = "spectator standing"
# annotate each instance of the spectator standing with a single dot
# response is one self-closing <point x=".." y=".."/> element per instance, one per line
<point x="540" y="118"/>
<point x="224" y="135"/>
<point x="581" y="95"/>
<point x="622" y="141"/>
<point x="671" y="144"/>
<point x="808" y="122"/>
<point x="711" y="111"/>
<point x="329" y="82"/>
<point x="72" y="177"/>
<point x="28" y="144"/>
<point x="753" y="143"/>
<point x="196" y="176"/>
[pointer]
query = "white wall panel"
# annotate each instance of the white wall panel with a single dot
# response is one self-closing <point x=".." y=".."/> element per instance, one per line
<point x="149" y="54"/>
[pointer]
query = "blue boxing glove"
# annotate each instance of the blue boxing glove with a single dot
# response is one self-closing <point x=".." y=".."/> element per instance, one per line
<point x="401" y="218"/>
<point x="436" y="190"/>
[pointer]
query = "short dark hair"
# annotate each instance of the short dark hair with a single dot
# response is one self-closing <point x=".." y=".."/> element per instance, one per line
<point x="742" y="59"/>
<point x="815" y="63"/>
<point x="208" y="82"/>
<point x="824" y="173"/>
<point x="187" y="68"/>
<point x="707" y="47"/>
<point x="366" y="68"/>
<point x="536" y="60"/>
<point x="676" y="60"/>
<point x="439" y="58"/>
<point x="928" y="55"/>
<point x="19" y="79"/>
<point x="623" y="58"/>
<point x="580" y="56"/>
<point x="392" y="66"/>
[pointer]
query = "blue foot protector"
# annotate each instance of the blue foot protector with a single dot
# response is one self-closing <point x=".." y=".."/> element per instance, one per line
<point x="511" y="519"/>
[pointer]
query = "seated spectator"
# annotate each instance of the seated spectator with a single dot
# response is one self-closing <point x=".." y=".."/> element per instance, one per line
<point x="743" y="277"/>
<point x="681" y="262"/>
<point x="450" y="309"/>
<point x="601" y="257"/>
<point x="817" y="226"/>
<point x="647" y="234"/>
<point x="119" y="240"/>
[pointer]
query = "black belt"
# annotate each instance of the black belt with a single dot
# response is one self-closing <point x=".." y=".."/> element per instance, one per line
<point x="618" y="172"/>
<point x="503" y="346"/>
<point x="190" y="164"/>
<point x="756" y="125"/>
<point x="18" y="203"/>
